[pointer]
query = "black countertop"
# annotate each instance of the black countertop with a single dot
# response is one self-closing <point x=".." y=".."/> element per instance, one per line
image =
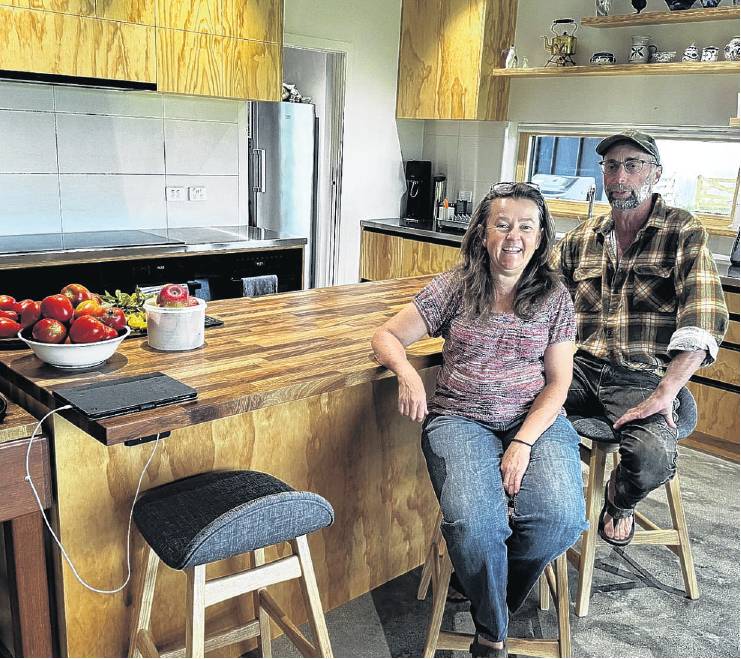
<point x="729" y="274"/>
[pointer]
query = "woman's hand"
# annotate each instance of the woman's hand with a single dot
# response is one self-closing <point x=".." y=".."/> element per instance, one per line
<point x="514" y="465"/>
<point x="412" y="395"/>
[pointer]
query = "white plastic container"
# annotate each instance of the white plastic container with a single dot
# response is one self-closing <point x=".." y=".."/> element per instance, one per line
<point x="175" y="328"/>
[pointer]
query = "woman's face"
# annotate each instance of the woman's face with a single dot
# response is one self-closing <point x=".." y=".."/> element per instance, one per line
<point x="512" y="235"/>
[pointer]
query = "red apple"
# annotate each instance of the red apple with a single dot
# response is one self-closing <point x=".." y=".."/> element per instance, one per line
<point x="173" y="295"/>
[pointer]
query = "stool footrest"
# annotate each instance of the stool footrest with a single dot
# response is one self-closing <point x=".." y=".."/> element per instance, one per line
<point x="668" y="537"/>
<point x="224" y="588"/>
<point x="461" y="642"/>
<point x="220" y="639"/>
<point x="288" y="627"/>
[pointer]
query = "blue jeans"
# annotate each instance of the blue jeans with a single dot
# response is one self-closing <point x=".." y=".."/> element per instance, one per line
<point x="499" y="558"/>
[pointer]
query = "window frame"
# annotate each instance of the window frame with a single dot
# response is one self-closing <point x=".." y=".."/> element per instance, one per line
<point x="717" y="225"/>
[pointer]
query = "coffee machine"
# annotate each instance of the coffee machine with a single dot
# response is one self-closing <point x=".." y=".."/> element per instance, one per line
<point x="420" y="199"/>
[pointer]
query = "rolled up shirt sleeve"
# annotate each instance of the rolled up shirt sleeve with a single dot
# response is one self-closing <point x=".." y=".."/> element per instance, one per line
<point x="702" y="316"/>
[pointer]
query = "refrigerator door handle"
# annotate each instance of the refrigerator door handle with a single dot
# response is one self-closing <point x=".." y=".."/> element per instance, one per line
<point x="258" y="161"/>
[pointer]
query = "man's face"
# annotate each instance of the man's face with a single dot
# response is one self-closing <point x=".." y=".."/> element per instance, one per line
<point x="627" y="190"/>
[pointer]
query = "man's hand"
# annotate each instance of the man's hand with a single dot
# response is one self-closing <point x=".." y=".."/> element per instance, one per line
<point x="514" y="465"/>
<point x="657" y="403"/>
<point x="412" y="395"/>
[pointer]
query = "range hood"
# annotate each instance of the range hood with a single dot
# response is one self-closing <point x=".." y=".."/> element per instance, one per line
<point x="80" y="81"/>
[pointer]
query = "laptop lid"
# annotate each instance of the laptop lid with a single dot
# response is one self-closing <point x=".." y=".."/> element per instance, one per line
<point x="98" y="400"/>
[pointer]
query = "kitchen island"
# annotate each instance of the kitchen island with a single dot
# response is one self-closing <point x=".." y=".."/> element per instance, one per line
<point x="289" y="386"/>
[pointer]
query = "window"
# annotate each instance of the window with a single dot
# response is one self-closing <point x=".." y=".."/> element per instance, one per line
<point x="700" y="171"/>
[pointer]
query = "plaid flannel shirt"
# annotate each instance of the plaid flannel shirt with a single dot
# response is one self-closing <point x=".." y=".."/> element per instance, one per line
<point x="664" y="295"/>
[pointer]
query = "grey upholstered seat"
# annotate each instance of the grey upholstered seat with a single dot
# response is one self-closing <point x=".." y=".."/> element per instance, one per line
<point x="215" y="515"/>
<point x="599" y="428"/>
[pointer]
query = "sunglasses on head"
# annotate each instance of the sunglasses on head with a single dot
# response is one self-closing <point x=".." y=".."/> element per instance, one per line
<point x="508" y="187"/>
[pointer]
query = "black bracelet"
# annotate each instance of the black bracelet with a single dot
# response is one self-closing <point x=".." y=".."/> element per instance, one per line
<point x="519" y="441"/>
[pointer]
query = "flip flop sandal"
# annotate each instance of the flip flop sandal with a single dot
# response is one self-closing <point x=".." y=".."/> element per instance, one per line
<point x="455" y="591"/>
<point x="480" y="650"/>
<point x="616" y="514"/>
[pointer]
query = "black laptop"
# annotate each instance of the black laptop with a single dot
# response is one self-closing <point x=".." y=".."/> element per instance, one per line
<point x="98" y="400"/>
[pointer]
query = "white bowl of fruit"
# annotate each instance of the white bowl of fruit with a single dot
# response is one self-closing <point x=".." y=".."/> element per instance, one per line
<point x="175" y="319"/>
<point x="72" y="329"/>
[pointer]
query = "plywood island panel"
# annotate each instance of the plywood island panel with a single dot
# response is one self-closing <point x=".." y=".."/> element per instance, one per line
<point x="309" y="405"/>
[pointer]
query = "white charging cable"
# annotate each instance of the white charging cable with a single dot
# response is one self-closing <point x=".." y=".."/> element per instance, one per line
<point x="54" y="535"/>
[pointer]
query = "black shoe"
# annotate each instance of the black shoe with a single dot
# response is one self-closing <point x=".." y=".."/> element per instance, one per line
<point x="480" y="650"/>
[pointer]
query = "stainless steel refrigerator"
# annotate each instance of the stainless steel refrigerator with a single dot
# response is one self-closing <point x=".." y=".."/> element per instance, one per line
<point x="283" y="165"/>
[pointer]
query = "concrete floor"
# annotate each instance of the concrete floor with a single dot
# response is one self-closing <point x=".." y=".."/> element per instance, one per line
<point x="638" y="607"/>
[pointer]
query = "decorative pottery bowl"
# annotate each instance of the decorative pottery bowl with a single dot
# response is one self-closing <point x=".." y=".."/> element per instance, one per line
<point x="602" y="57"/>
<point x="664" y="56"/>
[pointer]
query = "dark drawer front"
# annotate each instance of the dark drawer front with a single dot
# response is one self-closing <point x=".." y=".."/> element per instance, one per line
<point x="16" y="497"/>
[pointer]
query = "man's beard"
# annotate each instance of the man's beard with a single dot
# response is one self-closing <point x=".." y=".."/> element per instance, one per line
<point x="637" y="197"/>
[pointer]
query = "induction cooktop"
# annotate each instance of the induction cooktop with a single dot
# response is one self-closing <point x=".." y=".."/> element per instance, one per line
<point x="49" y="242"/>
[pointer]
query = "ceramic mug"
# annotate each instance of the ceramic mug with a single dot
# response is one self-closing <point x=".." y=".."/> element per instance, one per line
<point x="602" y="57"/>
<point x="690" y="53"/>
<point x="640" y="50"/>
<point x="709" y="54"/>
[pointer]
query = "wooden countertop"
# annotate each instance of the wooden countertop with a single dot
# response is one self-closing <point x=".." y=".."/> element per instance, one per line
<point x="17" y="424"/>
<point x="270" y="350"/>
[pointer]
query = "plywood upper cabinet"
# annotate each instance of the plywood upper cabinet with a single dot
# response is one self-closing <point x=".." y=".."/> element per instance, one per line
<point x="53" y="43"/>
<point x="447" y="50"/>
<point x="203" y="64"/>
<point x="260" y="20"/>
<point x="77" y="7"/>
<point x="128" y="11"/>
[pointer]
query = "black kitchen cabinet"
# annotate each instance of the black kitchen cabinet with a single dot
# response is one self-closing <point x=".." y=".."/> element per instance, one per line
<point x="224" y="272"/>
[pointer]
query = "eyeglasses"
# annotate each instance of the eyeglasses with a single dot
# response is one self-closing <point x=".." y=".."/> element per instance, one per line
<point x="508" y="187"/>
<point x="631" y="165"/>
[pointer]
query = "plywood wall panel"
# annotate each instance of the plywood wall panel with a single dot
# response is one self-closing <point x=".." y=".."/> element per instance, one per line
<point x="129" y="11"/>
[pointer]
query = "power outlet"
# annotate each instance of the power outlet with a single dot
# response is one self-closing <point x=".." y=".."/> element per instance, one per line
<point x="175" y="193"/>
<point x="197" y="193"/>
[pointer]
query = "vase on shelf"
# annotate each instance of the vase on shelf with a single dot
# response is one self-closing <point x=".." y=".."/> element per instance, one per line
<point x="732" y="50"/>
<point x="602" y="7"/>
<point x="709" y="4"/>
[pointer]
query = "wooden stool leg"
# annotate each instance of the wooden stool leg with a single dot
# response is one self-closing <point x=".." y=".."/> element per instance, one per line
<point x="195" y="618"/>
<point x="562" y="587"/>
<point x="440" y="596"/>
<point x="676" y="508"/>
<point x="311" y="596"/>
<point x="424" y="581"/>
<point x="265" y="639"/>
<point x="589" y="537"/>
<point x="143" y="596"/>
<point x="544" y="593"/>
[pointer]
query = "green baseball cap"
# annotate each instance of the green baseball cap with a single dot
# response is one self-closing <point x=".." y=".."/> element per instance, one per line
<point x="642" y="140"/>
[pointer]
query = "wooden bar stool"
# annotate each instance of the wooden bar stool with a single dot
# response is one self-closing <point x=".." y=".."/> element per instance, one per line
<point x="601" y="443"/>
<point x="213" y="516"/>
<point x="553" y="582"/>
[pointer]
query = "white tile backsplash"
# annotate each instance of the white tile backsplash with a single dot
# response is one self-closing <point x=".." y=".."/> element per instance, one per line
<point x="483" y="128"/>
<point x="27" y="142"/>
<point x="95" y="144"/>
<point x="439" y="127"/>
<point x="202" y="109"/>
<point x="442" y="150"/>
<point x="221" y="206"/>
<point x="83" y="100"/>
<point x="25" y="96"/>
<point x="195" y="147"/>
<point x="480" y="158"/>
<point x="29" y="203"/>
<point x="96" y="202"/>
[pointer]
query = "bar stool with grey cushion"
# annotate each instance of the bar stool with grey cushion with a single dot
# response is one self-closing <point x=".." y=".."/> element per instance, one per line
<point x="197" y="520"/>
<point x="602" y="441"/>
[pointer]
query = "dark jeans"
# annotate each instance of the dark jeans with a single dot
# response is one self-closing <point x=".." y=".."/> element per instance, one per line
<point x="499" y="558"/>
<point x="648" y="447"/>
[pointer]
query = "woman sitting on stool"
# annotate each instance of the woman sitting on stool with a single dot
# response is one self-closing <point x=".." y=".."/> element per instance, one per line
<point x="495" y="433"/>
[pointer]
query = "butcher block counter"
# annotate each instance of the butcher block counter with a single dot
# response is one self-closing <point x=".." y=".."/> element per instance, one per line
<point x="287" y="385"/>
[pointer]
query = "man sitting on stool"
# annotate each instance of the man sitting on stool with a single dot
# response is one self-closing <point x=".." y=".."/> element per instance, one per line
<point x="650" y="311"/>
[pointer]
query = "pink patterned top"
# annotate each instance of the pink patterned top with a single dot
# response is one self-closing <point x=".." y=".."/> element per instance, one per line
<point x="493" y="370"/>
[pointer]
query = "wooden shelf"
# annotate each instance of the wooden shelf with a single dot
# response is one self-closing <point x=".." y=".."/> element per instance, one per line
<point x="663" y="17"/>
<point x="672" y="68"/>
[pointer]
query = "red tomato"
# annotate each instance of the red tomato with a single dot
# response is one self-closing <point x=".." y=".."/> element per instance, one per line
<point x="113" y="317"/>
<point x="19" y="306"/>
<point x="87" y="329"/>
<point x="89" y="308"/>
<point x="8" y="328"/>
<point x="7" y="302"/>
<point x="5" y="313"/>
<point x="110" y="333"/>
<point x="76" y="293"/>
<point x="30" y="314"/>
<point x="57" y="307"/>
<point x="49" y="330"/>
